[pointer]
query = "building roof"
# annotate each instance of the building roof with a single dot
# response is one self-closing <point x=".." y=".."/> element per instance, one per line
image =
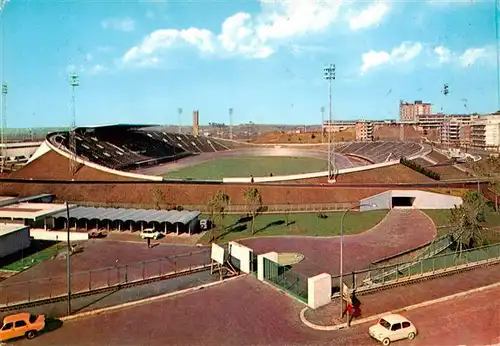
<point x="31" y="210"/>
<point x="7" y="228"/>
<point x="135" y="215"/>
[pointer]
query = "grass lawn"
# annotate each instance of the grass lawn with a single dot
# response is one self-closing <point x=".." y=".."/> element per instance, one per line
<point x="246" y="166"/>
<point x="441" y="218"/>
<point x="38" y="252"/>
<point x="309" y="224"/>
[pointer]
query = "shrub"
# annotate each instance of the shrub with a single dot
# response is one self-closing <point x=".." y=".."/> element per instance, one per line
<point x="420" y="169"/>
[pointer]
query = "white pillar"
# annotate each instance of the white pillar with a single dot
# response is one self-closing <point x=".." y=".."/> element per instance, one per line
<point x="319" y="290"/>
<point x="273" y="256"/>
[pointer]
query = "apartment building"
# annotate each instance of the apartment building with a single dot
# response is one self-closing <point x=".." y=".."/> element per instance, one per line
<point x="409" y="112"/>
<point x="364" y="130"/>
<point x="430" y="122"/>
<point x="338" y="125"/>
<point x="485" y="132"/>
<point x="451" y="129"/>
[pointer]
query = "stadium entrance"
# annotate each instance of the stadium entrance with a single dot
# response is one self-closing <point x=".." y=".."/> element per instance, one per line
<point x="402" y="202"/>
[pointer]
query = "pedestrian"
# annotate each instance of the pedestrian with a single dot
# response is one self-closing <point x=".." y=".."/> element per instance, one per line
<point x="149" y="243"/>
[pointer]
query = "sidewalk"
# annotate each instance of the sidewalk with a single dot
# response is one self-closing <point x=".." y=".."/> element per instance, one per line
<point x="402" y="296"/>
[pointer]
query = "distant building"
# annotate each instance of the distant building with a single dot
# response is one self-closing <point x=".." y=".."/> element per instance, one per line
<point x="451" y="129"/>
<point x="338" y="125"/>
<point x="410" y="111"/>
<point x="485" y="132"/>
<point x="364" y="130"/>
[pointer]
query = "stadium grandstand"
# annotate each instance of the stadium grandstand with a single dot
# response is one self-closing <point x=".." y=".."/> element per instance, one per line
<point x="128" y="147"/>
<point x="143" y="152"/>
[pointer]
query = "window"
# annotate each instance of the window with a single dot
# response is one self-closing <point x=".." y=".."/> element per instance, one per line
<point x="19" y="324"/>
<point x="8" y="326"/>
<point x="406" y="324"/>
<point x="33" y="318"/>
<point x="384" y="323"/>
<point x="396" y="326"/>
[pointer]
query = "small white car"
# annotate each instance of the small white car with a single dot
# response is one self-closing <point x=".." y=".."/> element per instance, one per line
<point x="150" y="233"/>
<point x="392" y="328"/>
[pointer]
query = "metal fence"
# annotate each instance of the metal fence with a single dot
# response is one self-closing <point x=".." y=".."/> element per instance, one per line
<point x="12" y="292"/>
<point x="282" y="276"/>
<point x="236" y="208"/>
<point x="432" y="264"/>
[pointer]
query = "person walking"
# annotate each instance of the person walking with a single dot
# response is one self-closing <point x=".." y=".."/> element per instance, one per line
<point x="149" y="243"/>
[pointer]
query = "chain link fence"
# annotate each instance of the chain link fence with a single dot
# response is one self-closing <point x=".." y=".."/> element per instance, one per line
<point x="85" y="281"/>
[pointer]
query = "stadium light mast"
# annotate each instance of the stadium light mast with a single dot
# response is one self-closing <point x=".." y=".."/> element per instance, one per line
<point x="322" y="110"/>
<point x="230" y="123"/>
<point x="4" y="124"/>
<point x="73" y="82"/>
<point x="329" y="75"/>
<point x="179" y="119"/>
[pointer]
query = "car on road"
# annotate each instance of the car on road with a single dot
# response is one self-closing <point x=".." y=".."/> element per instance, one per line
<point x="150" y="233"/>
<point x="22" y="324"/>
<point x="391" y="328"/>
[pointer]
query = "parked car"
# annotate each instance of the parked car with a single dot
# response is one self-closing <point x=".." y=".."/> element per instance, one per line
<point x="22" y="324"/>
<point x="150" y="233"/>
<point x="96" y="234"/>
<point x="206" y="224"/>
<point x="392" y="328"/>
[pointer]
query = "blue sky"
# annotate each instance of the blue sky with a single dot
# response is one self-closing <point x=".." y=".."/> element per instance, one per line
<point x="139" y="61"/>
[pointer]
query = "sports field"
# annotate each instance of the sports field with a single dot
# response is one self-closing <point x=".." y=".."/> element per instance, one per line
<point x="246" y="166"/>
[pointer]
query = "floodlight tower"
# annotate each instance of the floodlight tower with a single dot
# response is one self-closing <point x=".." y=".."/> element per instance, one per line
<point x="4" y="124"/>
<point x="73" y="82"/>
<point x="329" y="75"/>
<point x="179" y="119"/>
<point x="322" y="110"/>
<point x="230" y="123"/>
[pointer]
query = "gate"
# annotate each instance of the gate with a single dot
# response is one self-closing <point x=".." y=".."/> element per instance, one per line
<point x="286" y="279"/>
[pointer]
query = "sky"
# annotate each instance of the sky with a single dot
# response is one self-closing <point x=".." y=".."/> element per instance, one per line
<point x="139" y="61"/>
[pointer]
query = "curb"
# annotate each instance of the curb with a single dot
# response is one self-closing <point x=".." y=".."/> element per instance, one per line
<point x="408" y="308"/>
<point x="146" y="300"/>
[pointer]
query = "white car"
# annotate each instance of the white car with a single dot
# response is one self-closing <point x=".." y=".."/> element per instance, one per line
<point x="150" y="233"/>
<point x="392" y="328"/>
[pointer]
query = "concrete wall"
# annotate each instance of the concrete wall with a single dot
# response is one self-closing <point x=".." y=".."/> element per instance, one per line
<point x="319" y="290"/>
<point x="243" y="254"/>
<point x="57" y="236"/>
<point x="423" y="200"/>
<point x="15" y="241"/>
<point x="272" y="256"/>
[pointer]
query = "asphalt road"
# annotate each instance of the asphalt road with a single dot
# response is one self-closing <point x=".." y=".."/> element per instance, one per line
<point x="247" y="312"/>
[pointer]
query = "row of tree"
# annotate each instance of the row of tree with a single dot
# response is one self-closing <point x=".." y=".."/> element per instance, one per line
<point x="420" y="169"/>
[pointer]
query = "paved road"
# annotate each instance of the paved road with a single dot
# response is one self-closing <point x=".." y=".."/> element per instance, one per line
<point x="247" y="312"/>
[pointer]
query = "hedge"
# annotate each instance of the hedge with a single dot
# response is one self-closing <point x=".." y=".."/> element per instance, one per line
<point x="420" y="169"/>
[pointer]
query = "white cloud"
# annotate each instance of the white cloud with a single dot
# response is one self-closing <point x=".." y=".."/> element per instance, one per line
<point x="443" y="53"/>
<point x="145" y="53"/>
<point x="370" y="16"/>
<point x="3" y="3"/>
<point x="243" y="34"/>
<point x="121" y="24"/>
<point x="97" y="69"/>
<point x="471" y="55"/>
<point x="467" y="58"/>
<point x="407" y="51"/>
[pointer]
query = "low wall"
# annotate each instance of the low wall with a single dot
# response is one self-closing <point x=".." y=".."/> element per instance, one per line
<point x="41" y="234"/>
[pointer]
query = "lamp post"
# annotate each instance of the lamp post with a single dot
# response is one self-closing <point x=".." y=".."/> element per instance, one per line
<point x="341" y="285"/>
<point x="230" y="123"/>
<point x="68" y="260"/>
<point x="179" y="119"/>
<point x="4" y="124"/>
<point x="329" y="74"/>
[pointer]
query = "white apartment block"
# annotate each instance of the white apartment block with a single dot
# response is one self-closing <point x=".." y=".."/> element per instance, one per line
<point x="485" y="132"/>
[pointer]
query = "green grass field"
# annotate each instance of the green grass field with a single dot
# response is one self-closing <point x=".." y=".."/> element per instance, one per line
<point x="308" y="224"/>
<point x="441" y="218"/>
<point x="246" y="166"/>
<point x="38" y="252"/>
